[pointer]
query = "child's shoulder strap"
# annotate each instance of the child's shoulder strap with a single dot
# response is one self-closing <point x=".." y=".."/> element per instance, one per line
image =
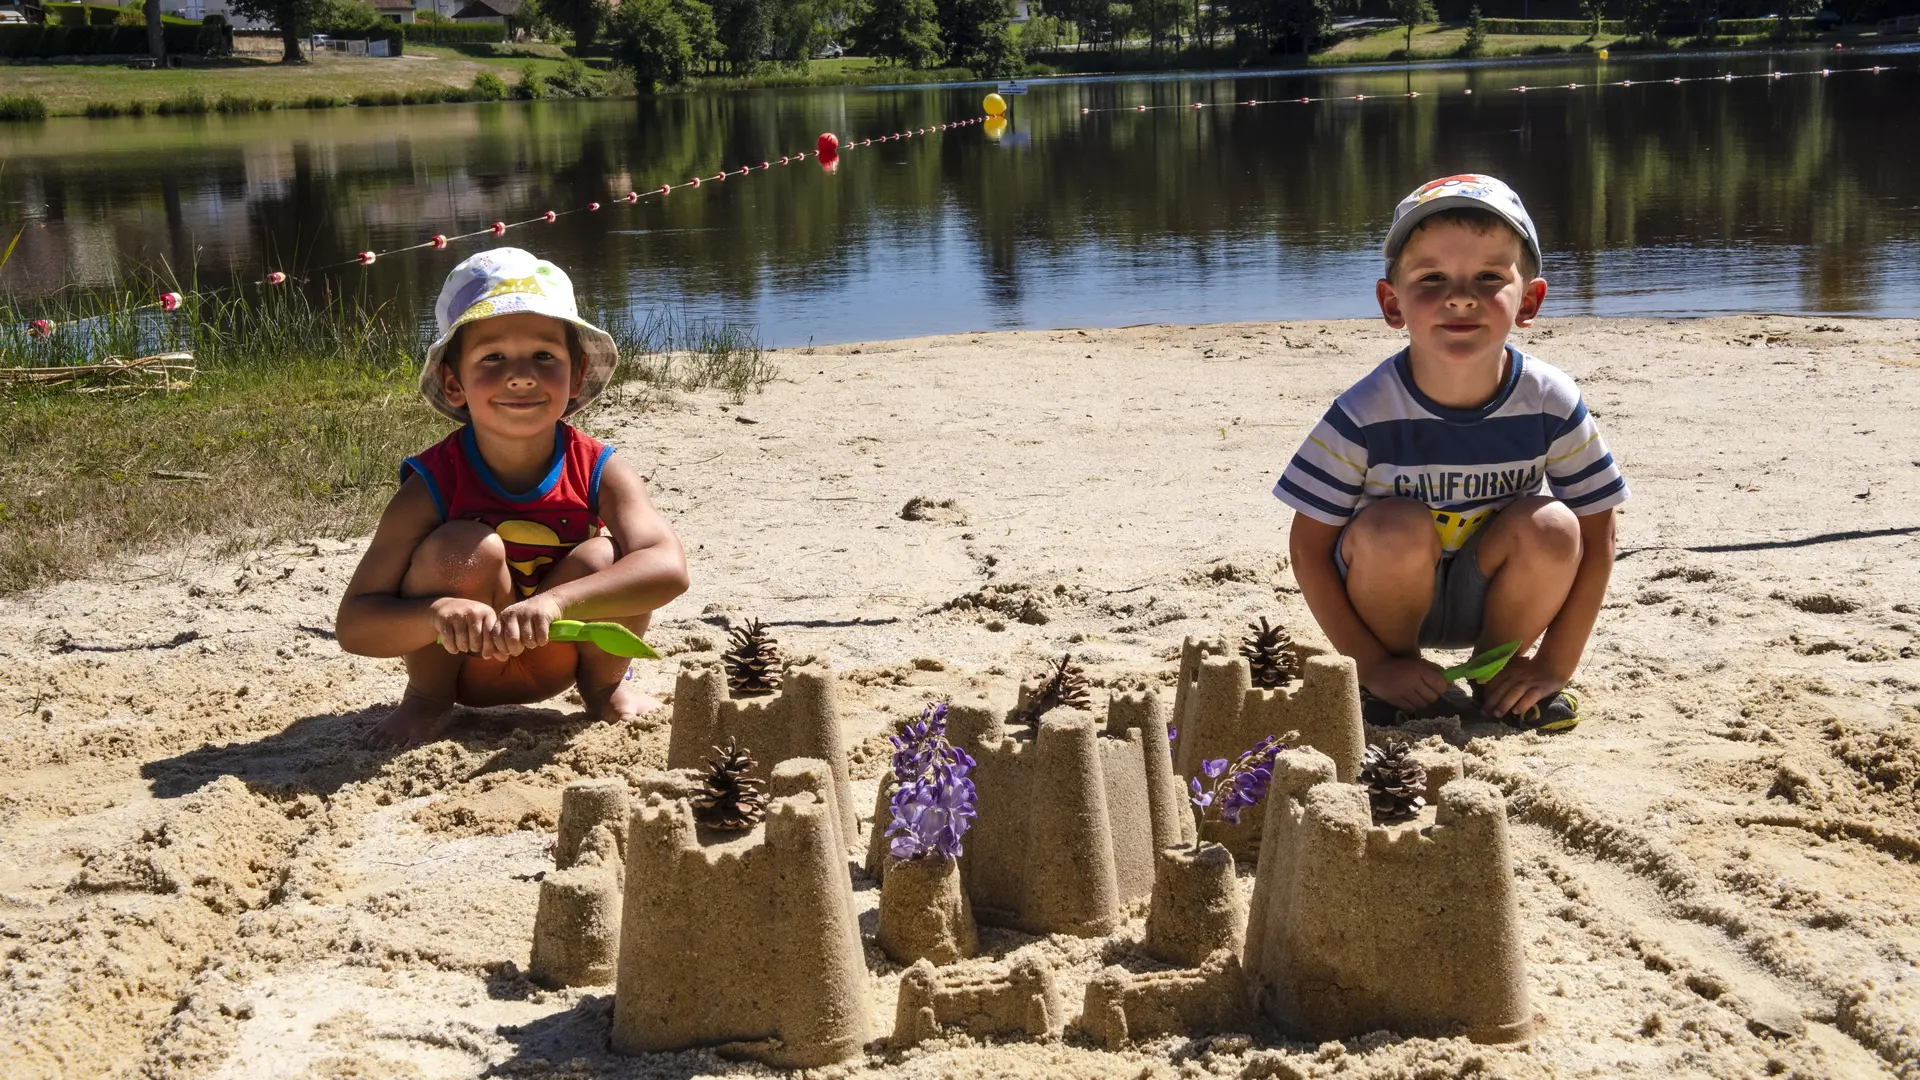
<point x="439" y="467"/>
<point x="586" y="460"/>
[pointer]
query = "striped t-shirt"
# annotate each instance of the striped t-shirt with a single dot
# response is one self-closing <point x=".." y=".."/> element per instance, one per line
<point x="1383" y="438"/>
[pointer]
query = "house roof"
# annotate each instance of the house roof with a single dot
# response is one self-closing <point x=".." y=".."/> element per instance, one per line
<point x="480" y="9"/>
<point x="391" y="5"/>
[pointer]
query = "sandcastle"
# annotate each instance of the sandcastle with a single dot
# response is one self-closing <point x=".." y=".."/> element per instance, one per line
<point x="1219" y="714"/>
<point x="576" y="929"/>
<point x="1069" y="819"/>
<point x="1412" y="927"/>
<point x="799" y="720"/>
<point x="743" y="941"/>
<point x="980" y="1000"/>
<point x="1122" y="1006"/>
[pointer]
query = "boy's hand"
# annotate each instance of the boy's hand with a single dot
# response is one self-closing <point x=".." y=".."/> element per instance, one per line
<point x="463" y="625"/>
<point x="524" y="625"/>
<point x="1404" y="682"/>
<point x="1523" y="683"/>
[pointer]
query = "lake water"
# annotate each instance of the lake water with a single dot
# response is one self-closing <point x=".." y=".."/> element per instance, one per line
<point x="1793" y="195"/>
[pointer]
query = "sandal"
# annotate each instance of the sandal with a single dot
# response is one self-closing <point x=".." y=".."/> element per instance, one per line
<point x="1559" y="711"/>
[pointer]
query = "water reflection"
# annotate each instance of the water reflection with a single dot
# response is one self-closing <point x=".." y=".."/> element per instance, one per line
<point x="1789" y="195"/>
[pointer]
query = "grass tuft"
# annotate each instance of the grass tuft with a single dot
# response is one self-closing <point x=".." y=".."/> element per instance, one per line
<point x="20" y="107"/>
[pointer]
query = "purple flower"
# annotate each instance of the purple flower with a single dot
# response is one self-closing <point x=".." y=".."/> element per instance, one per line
<point x="1214" y="767"/>
<point x="1240" y="785"/>
<point x="1173" y="734"/>
<point x="932" y="805"/>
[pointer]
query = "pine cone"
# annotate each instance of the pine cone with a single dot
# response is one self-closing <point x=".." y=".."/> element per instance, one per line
<point x="1065" y="685"/>
<point x="1270" y="655"/>
<point x="731" y="799"/>
<point x="753" y="663"/>
<point x="1396" y="784"/>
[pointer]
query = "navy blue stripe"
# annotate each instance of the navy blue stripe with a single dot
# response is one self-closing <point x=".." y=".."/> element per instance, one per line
<point x="413" y="466"/>
<point x="1320" y="474"/>
<point x="1429" y="443"/>
<point x="1343" y="425"/>
<point x="1313" y="500"/>
<point x="1570" y="424"/>
<point x="1605" y="463"/>
<point x="1403" y="365"/>
<point x="1619" y="484"/>
<point x="593" y="485"/>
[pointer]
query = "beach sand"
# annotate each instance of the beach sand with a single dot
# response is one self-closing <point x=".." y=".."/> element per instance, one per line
<point x="202" y="874"/>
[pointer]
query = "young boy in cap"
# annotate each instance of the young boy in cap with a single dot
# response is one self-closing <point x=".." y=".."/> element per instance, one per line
<point x="1419" y="520"/>
<point x="514" y="520"/>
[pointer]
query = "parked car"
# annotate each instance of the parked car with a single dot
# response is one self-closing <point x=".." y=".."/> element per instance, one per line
<point x="10" y="17"/>
<point x="829" y="51"/>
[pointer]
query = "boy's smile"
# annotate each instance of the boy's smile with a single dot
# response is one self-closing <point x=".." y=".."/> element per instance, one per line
<point x="1459" y="291"/>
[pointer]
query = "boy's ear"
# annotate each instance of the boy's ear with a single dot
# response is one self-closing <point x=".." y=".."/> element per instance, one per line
<point x="1530" y="301"/>
<point x="450" y="387"/>
<point x="579" y="375"/>
<point x="1390" y="304"/>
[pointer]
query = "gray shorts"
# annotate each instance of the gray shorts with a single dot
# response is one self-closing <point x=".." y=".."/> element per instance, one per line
<point x="1459" y="594"/>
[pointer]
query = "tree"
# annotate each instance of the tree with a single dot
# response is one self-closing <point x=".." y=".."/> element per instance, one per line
<point x="156" y="34"/>
<point x="582" y="18"/>
<point x="976" y="35"/>
<point x="650" y="37"/>
<point x="294" y="19"/>
<point x="1411" y="13"/>
<point x="1159" y="18"/>
<point x="702" y="38"/>
<point x="1476" y="42"/>
<point x="1597" y="11"/>
<point x="745" y="29"/>
<point x="900" y="32"/>
<point x="1643" y="18"/>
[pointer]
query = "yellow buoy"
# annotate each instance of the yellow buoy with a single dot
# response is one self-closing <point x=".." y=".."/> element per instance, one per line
<point x="1603" y="54"/>
<point x="995" y="105"/>
<point x="996" y="126"/>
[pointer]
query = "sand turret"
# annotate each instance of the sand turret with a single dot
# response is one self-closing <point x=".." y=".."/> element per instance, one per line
<point x="1122" y="1005"/>
<point x="980" y="1000"/>
<point x="800" y="720"/>
<point x="576" y="928"/>
<point x="1069" y="818"/>
<point x="746" y="941"/>
<point x="1220" y="713"/>
<point x="1412" y="927"/>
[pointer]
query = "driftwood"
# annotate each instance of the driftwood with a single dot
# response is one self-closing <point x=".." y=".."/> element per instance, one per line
<point x="165" y="372"/>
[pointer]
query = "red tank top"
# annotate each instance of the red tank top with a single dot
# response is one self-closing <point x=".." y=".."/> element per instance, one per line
<point x="539" y="526"/>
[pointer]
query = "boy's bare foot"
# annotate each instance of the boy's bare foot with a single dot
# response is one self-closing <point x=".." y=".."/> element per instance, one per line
<point x="419" y="719"/>
<point x="620" y="703"/>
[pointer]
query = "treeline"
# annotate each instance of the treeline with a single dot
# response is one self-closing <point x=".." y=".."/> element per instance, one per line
<point x="670" y="41"/>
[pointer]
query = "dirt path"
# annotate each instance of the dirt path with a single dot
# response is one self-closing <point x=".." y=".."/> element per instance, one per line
<point x="202" y="874"/>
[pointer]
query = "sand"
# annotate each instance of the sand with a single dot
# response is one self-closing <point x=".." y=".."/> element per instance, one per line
<point x="1718" y="873"/>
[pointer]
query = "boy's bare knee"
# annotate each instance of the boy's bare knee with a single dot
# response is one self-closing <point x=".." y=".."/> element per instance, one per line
<point x="1548" y="527"/>
<point x="460" y="558"/>
<point x="1393" y="531"/>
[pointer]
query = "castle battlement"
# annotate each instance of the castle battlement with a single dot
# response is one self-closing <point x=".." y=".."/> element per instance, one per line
<point x="800" y="720"/>
<point x="746" y="941"/>
<point x="1220" y="713"/>
<point x="1413" y="927"/>
<point x="1121" y="1006"/>
<point x="981" y="1000"/>
<point x="1069" y="818"/>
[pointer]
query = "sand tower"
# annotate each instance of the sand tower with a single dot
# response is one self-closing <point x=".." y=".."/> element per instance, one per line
<point x="576" y="929"/>
<point x="979" y="999"/>
<point x="745" y="941"/>
<point x="1220" y="714"/>
<point x="1412" y="927"/>
<point x="800" y="720"/>
<point x="1069" y="819"/>
<point x="1122" y="1005"/>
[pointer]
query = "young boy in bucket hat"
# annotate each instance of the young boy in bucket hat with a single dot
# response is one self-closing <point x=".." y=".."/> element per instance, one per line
<point x="514" y="520"/>
<point x="1418" y="516"/>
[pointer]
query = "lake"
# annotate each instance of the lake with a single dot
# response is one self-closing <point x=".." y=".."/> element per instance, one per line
<point x="1798" y="194"/>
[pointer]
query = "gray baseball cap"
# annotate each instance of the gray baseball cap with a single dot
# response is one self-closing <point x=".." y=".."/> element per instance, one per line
<point x="1474" y="190"/>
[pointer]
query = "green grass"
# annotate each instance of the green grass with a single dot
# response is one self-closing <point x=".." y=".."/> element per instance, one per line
<point x="298" y="417"/>
<point x="1436" y="42"/>
<point x="19" y="107"/>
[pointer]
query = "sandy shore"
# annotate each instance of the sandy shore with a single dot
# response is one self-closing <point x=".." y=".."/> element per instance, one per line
<point x="1719" y="871"/>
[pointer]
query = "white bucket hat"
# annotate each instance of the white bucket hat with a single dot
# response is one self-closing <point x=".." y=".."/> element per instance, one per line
<point x="509" y="281"/>
<point x="1476" y="190"/>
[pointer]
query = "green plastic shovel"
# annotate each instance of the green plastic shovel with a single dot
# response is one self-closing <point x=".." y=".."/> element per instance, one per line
<point x="609" y="636"/>
<point x="1479" y="668"/>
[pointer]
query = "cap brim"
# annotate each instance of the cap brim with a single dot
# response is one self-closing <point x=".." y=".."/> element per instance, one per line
<point x="1397" y="236"/>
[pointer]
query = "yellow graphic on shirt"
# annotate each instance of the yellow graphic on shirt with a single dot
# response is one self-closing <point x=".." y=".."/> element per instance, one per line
<point x="528" y="565"/>
<point x="1456" y="529"/>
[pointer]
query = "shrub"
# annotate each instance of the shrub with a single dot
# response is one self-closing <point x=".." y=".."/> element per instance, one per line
<point x="572" y="79"/>
<point x="320" y="101"/>
<point x="191" y="103"/>
<point x="101" y="110"/>
<point x="22" y="107"/>
<point x="488" y="87"/>
<point x="1476" y="42"/>
<point x="438" y="33"/>
<point x="531" y="85"/>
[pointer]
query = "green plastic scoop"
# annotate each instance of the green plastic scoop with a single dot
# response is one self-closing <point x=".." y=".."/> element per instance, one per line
<point x="609" y="636"/>
<point x="1479" y="668"/>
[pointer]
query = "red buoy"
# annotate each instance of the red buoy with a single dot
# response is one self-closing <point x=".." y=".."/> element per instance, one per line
<point x="276" y="278"/>
<point x="828" y="144"/>
<point x="439" y="242"/>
